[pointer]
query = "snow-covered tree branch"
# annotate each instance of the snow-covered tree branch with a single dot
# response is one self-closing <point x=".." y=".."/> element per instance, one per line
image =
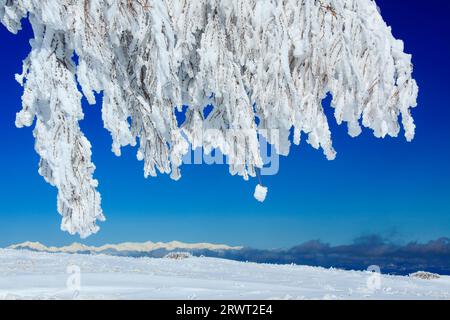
<point x="271" y="60"/>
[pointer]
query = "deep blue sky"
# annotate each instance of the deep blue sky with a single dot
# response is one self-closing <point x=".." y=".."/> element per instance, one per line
<point x="388" y="187"/>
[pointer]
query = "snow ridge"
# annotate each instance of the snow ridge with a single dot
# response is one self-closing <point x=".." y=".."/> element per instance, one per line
<point x="38" y="275"/>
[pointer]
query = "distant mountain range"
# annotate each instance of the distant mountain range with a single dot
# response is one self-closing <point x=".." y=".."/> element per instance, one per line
<point x="433" y="256"/>
<point x="152" y="249"/>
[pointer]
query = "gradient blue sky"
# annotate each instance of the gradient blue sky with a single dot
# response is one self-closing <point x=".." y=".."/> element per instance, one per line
<point x="389" y="187"/>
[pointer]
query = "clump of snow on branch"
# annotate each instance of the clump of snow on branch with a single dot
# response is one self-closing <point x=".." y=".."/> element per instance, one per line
<point x="272" y="60"/>
<point x="260" y="193"/>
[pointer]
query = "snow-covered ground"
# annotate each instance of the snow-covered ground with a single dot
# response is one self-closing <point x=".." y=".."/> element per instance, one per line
<point x="37" y="275"/>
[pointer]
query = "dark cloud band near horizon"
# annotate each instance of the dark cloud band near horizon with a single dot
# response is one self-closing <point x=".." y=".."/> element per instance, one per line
<point x="392" y="258"/>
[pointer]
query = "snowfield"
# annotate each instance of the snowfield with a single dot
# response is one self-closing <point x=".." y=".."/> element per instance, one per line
<point x="37" y="275"/>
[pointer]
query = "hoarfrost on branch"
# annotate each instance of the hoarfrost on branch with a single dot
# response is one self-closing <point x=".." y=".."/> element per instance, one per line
<point x="271" y="60"/>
